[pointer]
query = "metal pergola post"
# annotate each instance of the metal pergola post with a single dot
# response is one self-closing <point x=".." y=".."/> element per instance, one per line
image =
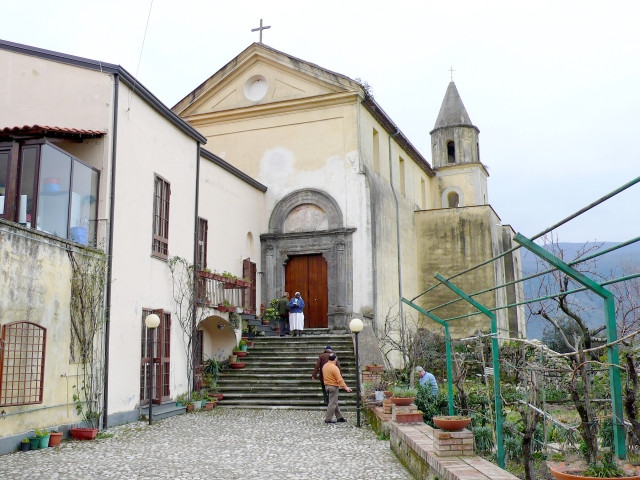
<point x="447" y="341"/>
<point x="496" y="364"/>
<point x="612" y="336"/>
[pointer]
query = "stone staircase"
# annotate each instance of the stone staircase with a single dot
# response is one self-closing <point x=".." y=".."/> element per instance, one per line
<point x="278" y="372"/>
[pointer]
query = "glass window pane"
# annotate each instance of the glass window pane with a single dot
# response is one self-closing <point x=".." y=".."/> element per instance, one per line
<point x="53" y="194"/>
<point x="27" y="180"/>
<point x="84" y="194"/>
<point x="4" y="168"/>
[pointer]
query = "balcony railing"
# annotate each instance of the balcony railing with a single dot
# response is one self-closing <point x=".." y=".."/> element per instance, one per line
<point x="224" y="293"/>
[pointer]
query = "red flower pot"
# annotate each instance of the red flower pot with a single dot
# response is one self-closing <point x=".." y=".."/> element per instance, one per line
<point x="240" y="353"/>
<point x="237" y="365"/>
<point x="84" y="433"/>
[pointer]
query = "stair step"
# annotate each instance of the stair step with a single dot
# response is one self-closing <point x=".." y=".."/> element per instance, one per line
<point x="278" y="371"/>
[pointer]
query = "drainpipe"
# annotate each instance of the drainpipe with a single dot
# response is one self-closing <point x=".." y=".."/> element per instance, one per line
<point x="194" y="306"/>
<point x="395" y="196"/>
<point x="112" y="201"/>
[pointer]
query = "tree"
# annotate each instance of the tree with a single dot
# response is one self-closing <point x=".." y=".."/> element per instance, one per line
<point x="567" y="314"/>
<point x="414" y="344"/>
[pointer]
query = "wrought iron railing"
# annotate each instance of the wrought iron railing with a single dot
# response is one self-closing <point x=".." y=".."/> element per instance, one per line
<point x="226" y="294"/>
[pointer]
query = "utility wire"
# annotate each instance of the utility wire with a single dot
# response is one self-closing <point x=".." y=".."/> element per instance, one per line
<point x="135" y="78"/>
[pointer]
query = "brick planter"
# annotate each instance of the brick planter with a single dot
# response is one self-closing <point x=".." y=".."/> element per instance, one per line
<point x="453" y="444"/>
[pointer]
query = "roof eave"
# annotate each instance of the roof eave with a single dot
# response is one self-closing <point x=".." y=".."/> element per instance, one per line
<point x="392" y="129"/>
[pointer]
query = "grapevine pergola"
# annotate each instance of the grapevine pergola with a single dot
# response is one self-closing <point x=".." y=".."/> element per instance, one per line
<point x="586" y="284"/>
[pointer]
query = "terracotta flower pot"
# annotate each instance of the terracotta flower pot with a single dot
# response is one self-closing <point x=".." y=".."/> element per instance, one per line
<point x="402" y="401"/>
<point x="210" y="405"/>
<point x="559" y="471"/>
<point x="84" y="433"/>
<point x="388" y="393"/>
<point x="240" y="353"/>
<point x="451" y="424"/>
<point x="237" y="365"/>
<point x="190" y="407"/>
<point x="55" y="438"/>
<point x="374" y="368"/>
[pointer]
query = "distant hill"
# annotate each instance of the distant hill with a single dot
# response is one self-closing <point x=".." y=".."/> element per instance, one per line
<point x="609" y="265"/>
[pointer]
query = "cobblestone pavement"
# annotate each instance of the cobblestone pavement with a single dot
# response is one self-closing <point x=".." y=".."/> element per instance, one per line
<point x="224" y="444"/>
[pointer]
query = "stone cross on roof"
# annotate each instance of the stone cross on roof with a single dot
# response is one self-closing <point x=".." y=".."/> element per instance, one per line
<point x="260" y="29"/>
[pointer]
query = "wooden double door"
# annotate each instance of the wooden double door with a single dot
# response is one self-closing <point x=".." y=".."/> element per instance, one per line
<point x="307" y="274"/>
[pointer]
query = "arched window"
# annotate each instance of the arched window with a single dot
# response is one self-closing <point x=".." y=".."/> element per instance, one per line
<point x="451" y="152"/>
<point x="453" y="199"/>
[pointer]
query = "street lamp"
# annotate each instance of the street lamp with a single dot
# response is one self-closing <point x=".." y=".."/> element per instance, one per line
<point x="356" y="327"/>
<point x="152" y="321"/>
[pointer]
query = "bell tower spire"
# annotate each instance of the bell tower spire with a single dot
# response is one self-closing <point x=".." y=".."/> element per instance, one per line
<point x="455" y="153"/>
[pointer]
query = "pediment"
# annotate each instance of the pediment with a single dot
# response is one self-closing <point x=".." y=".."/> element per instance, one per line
<point x="261" y="75"/>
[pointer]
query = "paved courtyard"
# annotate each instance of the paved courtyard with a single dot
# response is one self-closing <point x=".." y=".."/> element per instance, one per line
<point x="224" y="444"/>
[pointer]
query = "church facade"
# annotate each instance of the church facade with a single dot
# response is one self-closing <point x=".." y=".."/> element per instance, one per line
<point x="356" y="218"/>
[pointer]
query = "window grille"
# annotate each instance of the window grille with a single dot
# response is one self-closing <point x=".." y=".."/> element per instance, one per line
<point x="22" y="363"/>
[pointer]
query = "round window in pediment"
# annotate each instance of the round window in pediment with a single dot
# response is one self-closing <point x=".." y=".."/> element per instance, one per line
<point x="256" y="88"/>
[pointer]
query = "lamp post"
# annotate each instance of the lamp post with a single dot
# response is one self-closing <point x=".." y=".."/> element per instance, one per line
<point x="356" y="327"/>
<point x="152" y="321"/>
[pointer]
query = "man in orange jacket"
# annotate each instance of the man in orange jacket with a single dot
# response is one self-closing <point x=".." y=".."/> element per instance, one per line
<point x="333" y="382"/>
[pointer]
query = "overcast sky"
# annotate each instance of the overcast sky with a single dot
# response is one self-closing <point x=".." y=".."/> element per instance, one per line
<point x="553" y="86"/>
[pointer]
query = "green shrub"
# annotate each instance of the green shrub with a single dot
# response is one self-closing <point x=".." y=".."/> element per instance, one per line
<point x="606" y="433"/>
<point x="553" y="394"/>
<point x="513" y="446"/>
<point x="404" y="392"/>
<point x="431" y="405"/>
<point x="484" y="439"/>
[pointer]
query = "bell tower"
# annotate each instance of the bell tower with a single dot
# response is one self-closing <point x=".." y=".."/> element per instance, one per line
<point x="455" y="153"/>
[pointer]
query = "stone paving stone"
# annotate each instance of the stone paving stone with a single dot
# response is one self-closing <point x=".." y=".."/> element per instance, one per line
<point x="219" y="444"/>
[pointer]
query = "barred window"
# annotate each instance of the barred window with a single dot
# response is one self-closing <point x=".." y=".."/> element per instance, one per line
<point x="22" y="363"/>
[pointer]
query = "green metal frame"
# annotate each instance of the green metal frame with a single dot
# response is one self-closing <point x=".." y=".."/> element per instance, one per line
<point x="447" y="340"/>
<point x="612" y="336"/>
<point x="496" y="364"/>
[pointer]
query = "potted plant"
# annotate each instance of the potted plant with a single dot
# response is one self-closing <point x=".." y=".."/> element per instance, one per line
<point x="451" y="423"/>
<point x="237" y="365"/>
<point x="55" y="437"/>
<point x="43" y="438"/>
<point x="379" y="389"/>
<point x="181" y="400"/>
<point x="403" y="396"/>
<point x="233" y="358"/>
<point x="34" y="443"/>
<point x="271" y="315"/>
<point x="196" y="400"/>
<point x="210" y="403"/>
<point x="604" y="467"/>
<point x="25" y="445"/>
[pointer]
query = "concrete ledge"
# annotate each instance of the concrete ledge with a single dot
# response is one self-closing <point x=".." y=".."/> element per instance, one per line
<point x="414" y="444"/>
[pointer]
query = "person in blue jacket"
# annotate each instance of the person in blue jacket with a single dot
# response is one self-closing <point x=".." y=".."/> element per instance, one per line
<point x="427" y="379"/>
<point x="296" y="317"/>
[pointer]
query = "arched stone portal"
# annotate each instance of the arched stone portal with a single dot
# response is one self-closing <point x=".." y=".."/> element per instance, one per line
<point x="307" y="222"/>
